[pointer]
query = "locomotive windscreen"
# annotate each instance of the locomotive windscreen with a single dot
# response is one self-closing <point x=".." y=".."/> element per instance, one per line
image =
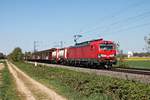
<point x="106" y="46"/>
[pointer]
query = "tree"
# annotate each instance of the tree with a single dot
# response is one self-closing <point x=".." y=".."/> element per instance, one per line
<point x="2" y="56"/>
<point x="147" y="40"/>
<point x="16" y="55"/>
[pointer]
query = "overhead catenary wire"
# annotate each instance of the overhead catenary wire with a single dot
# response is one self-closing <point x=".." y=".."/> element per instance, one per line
<point x="143" y="15"/>
<point x="129" y="28"/>
<point x="132" y="19"/>
<point x="113" y="16"/>
<point x="133" y="27"/>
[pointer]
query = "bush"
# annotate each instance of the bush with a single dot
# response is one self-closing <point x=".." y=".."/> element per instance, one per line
<point x="16" y="55"/>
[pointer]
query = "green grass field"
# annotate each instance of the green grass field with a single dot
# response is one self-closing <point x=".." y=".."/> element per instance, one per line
<point x="8" y="89"/>
<point x="84" y="86"/>
<point x="138" y="59"/>
<point x="141" y="63"/>
<point x="138" y="64"/>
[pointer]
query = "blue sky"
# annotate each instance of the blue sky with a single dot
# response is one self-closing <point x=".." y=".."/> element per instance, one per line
<point x="52" y="21"/>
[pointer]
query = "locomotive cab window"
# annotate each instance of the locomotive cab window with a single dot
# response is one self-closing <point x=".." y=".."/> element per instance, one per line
<point x="106" y="46"/>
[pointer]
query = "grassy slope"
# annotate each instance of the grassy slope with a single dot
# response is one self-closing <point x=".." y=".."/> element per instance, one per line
<point x="62" y="80"/>
<point x="77" y="85"/>
<point x="8" y="90"/>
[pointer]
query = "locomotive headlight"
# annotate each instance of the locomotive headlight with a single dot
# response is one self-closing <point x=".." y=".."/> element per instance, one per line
<point x="102" y="55"/>
<point x="112" y="55"/>
<point x="99" y="56"/>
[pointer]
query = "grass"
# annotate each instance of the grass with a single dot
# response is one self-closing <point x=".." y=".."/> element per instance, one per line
<point x="84" y="86"/>
<point x="7" y="88"/>
<point x="138" y="59"/>
<point x="141" y="63"/>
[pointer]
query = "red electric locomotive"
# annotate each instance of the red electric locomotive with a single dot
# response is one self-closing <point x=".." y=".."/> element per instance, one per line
<point x="93" y="53"/>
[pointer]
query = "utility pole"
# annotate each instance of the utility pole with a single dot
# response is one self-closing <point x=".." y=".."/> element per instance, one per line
<point x="35" y="44"/>
<point x="61" y="44"/>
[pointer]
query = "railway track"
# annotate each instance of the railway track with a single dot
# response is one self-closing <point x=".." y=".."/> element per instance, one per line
<point x="133" y="71"/>
<point x="142" y="76"/>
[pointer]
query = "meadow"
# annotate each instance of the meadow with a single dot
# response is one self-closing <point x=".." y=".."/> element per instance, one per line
<point x="85" y="86"/>
<point x="135" y="62"/>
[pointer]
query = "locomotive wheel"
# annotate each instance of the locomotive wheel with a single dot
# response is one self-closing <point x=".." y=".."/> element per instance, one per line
<point x="108" y="66"/>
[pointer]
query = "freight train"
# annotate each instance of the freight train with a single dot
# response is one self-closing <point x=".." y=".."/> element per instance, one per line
<point x="99" y="53"/>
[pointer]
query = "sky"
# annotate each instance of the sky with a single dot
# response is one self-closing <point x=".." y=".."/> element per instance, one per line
<point x="50" y="21"/>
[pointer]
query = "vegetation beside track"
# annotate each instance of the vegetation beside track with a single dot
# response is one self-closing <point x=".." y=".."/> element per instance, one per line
<point x="138" y="59"/>
<point x="7" y="89"/>
<point x="141" y="63"/>
<point x="78" y="85"/>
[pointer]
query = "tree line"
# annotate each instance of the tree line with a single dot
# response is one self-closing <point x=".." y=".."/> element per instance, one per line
<point x="2" y="56"/>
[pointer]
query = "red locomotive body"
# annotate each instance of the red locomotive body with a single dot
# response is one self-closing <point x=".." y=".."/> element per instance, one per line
<point x="95" y="52"/>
